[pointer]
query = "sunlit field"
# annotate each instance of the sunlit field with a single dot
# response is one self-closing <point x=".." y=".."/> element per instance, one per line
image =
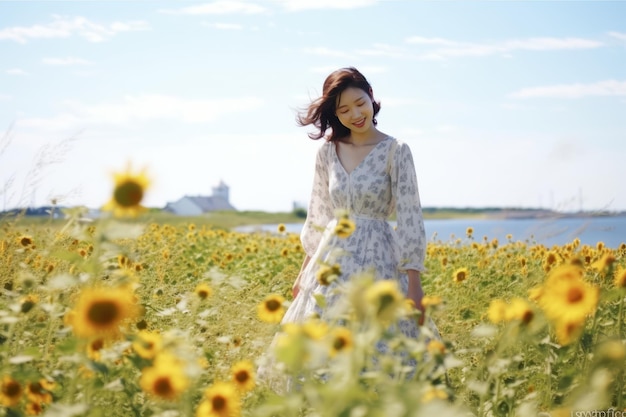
<point x="120" y="317"/>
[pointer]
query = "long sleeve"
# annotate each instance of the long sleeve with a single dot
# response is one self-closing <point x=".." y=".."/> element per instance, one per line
<point x="320" y="211"/>
<point x="410" y="230"/>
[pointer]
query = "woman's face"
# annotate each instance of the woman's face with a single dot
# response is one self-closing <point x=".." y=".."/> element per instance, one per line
<point x="355" y="110"/>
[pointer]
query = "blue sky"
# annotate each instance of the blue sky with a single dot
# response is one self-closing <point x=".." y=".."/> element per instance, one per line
<point x="504" y="103"/>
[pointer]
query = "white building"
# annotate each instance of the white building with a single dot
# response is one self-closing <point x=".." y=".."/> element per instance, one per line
<point x="197" y="205"/>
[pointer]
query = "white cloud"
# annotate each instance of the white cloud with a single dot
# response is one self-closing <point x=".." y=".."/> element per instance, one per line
<point x="16" y="71"/>
<point x="224" y="26"/>
<point x="299" y="5"/>
<point x="420" y="40"/>
<point x="618" y="35"/>
<point x="65" y="27"/>
<point x="218" y="7"/>
<point x="449" y="48"/>
<point x="143" y="108"/>
<point x="600" y="88"/>
<point x="66" y="61"/>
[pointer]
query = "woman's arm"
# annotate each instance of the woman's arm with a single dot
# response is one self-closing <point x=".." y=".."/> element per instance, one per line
<point x="416" y="293"/>
<point x="296" y="285"/>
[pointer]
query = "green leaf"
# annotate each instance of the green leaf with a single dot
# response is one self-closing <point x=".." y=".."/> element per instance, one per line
<point x="320" y="300"/>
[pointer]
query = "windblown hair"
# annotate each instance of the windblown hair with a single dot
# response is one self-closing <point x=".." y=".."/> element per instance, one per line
<point x="321" y="113"/>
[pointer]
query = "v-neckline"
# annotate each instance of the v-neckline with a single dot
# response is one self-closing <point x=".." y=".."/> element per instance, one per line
<point x="362" y="160"/>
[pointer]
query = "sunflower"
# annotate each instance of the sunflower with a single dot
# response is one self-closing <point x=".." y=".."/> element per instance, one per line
<point x="568" y="331"/>
<point x="243" y="375"/>
<point x="340" y="340"/>
<point x="433" y="393"/>
<point x="326" y="274"/>
<point x="99" y="312"/>
<point x="314" y="329"/>
<point x="94" y="347"/>
<point x="385" y="298"/>
<point x="10" y="391"/>
<point x="604" y="262"/>
<point x="436" y="348"/>
<point x="28" y="302"/>
<point x="271" y="310"/>
<point x="33" y="409"/>
<point x="203" y="291"/>
<point x="345" y="227"/>
<point x="519" y="310"/>
<point x="147" y="344"/>
<point x="220" y="400"/>
<point x="460" y="275"/>
<point x="566" y="297"/>
<point x="25" y="241"/>
<point x="551" y="259"/>
<point x="431" y="301"/>
<point x="128" y="192"/>
<point x="281" y="228"/>
<point x="469" y="232"/>
<point x="497" y="311"/>
<point x="165" y="379"/>
<point x="620" y="278"/>
<point x="39" y="391"/>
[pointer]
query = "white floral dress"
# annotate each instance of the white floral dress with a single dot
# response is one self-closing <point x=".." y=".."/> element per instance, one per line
<point x="383" y="182"/>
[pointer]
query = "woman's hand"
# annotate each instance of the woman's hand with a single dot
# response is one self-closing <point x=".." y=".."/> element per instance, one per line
<point x="296" y="285"/>
<point x="416" y="293"/>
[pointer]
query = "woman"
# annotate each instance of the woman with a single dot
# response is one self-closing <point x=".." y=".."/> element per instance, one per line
<point x="368" y="174"/>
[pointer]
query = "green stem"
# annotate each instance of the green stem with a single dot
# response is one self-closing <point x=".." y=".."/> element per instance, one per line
<point x="620" y="319"/>
<point x="548" y="392"/>
<point x="46" y="349"/>
<point x="620" y="375"/>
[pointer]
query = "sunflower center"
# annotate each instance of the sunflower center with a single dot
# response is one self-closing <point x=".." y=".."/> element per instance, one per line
<point x="242" y="376"/>
<point x="218" y="402"/>
<point x="460" y="276"/>
<point x="128" y="194"/>
<point x="26" y="241"/>
<point x="103" y="313"/>
<point x="574" y="295"/>
<point x="527" y="316"/>
<point x="386" y="300"/>
<point x="339" y="343"/>
<point x="163" y="387"/>
<point x="35" y="388"/>
<point x="12" y="389"/>
<point x="272" y="305"/>
<point x="97" y="344"/>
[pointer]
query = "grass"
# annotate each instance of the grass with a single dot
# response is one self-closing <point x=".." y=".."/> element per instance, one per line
<point x="510" y="362"/>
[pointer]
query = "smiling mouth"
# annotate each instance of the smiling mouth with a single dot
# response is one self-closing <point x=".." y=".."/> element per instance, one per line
<point x="360" y="123"/>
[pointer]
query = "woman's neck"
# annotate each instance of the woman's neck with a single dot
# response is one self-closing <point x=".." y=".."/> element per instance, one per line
<point x="370" y="137"/>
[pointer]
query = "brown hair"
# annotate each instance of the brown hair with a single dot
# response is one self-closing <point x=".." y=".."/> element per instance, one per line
<point x="321" y="112"/>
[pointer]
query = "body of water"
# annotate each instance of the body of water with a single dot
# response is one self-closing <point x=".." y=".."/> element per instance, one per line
<point x="554" y="231"/>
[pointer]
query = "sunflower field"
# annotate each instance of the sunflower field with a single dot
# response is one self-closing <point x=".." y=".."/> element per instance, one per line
<point x="129" y="317"/>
